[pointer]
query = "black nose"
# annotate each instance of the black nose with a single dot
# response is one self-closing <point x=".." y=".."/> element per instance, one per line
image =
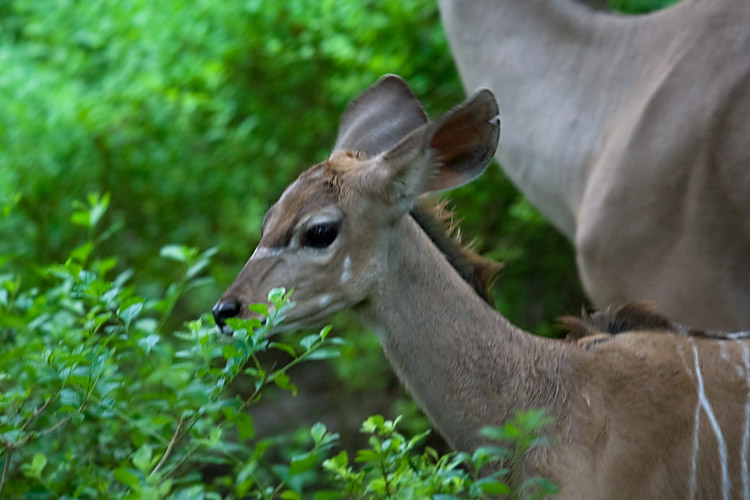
<point x="225" y="309"/>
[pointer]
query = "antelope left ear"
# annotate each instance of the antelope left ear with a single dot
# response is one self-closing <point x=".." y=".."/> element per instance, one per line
<point x="445" y="154"/>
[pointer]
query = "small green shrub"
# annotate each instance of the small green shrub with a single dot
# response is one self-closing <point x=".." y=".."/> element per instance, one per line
<point x="97" y="402"/>
<point x="393" y="468"/>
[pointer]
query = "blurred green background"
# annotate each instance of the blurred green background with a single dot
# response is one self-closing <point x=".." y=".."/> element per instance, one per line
<point x="194" y="116"/>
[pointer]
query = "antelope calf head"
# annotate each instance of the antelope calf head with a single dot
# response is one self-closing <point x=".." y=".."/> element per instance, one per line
<point x="330" y="233"/>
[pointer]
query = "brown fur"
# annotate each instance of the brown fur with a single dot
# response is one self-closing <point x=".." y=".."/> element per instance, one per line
<point x="629" y="317"/>
<point x="635" y="316"/>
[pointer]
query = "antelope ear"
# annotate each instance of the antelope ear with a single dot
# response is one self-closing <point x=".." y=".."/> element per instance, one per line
<point x="464" y="141"/>
<point x="379" y="118"/>
<point x="443" y="155"/>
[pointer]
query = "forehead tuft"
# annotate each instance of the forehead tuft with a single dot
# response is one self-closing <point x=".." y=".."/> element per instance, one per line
<point x="344" y="162"/>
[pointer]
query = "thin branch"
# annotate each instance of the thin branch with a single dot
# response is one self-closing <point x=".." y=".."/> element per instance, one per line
<point x="52" y="429"/>
<point x="37" y="412"/>
<point x="6" y="466"/>
<point x="168" y="452"/>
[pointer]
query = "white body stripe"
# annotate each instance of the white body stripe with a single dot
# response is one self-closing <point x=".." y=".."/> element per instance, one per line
<point x="746" y="426"/>
<point x="705" y="405"/>
<point x="696" y="445"/>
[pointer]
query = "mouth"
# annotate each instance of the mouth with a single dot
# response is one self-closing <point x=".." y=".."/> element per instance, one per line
<point x="297" y="318"/>
<point x="223" y="329"/>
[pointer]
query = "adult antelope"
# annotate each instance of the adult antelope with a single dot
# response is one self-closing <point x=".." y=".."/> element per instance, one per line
<point x="631" y="134"/>
<point x="646" y="413"/>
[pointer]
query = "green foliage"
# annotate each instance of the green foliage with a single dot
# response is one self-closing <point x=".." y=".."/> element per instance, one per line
<point x="394" y="468"/>
<point x="639" y="6"/>
<point x="95" y="401"/>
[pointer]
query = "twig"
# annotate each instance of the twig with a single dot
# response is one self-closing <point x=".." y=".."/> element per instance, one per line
<point x="37" y="412"/>
<point x="172" y="441"/>
<point x="6" y="466"/>
<point x="52" y="429"/>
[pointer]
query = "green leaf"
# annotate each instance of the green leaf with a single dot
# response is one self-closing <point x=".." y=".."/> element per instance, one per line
<point x="127" y="478"/>
<point x="302" y="463"/>
<point x="276" y="296"/>
<point x="131" y="312"/>
<point x="245" y="426"/>
<point x="325" y="331"/>
<point x="142" y="458"/>
<point x="180" y="253"/>
<point x="214" y="436"/>
<point x="325" y="353"/>
<point x="373" y="423"/>
<point x="496" y="433"/>
<point x="259" y="308"/>
<point x="229" y="351"/>
<point x="69" y="397"/>
<point x="290" y="495"/>
<point x="494" y="487"/>
<point x="35" y="468"/>
<point x="283" y="347"/>
<point x="197" y="268"/>
<point x="81" y="253"/>
<point x="309" y="340"/>
<point x="98" y="208"/>
<point x="147" y="343"/>
<point x="536" y="488"/>
<point x="317" y="432"/>
<point x="80" y="218"/>
<point x="367" y="456"/>
<point x="282" y="380"/>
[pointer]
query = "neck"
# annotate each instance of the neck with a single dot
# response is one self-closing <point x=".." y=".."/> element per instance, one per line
<point x="464" y="364"/>
<point x="561" y="71"/>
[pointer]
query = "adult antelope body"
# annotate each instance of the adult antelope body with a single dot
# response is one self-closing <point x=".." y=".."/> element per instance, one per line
<point x="652" y="412"/>
<point x="631" y="134"/>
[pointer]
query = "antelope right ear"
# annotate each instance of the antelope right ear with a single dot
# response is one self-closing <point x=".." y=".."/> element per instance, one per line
<point x="441" y="155"/>
<point x="464" y="141"/>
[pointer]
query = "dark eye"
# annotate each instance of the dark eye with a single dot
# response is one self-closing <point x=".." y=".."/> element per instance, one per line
<point x="320" y="235"/>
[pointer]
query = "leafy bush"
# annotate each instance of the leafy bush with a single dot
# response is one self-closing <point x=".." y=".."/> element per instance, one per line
<point x="95" y="401"/>
<point x="392" y="469"/>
